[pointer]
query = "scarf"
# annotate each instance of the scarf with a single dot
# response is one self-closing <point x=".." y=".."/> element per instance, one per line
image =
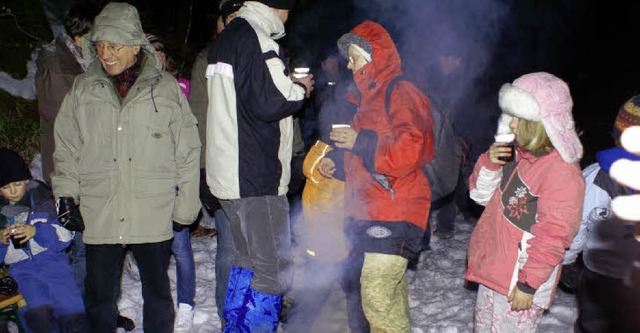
<point x="125" y="80"/>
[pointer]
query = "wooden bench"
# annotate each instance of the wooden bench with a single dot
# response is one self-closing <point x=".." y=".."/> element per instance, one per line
<point x="9" y="306"/>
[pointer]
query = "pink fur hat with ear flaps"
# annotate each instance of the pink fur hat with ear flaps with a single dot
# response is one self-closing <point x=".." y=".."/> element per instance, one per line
<point x="546" y="98"/>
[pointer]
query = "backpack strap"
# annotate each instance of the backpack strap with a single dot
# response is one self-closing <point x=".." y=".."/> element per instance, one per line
<point x="387" y="95"/>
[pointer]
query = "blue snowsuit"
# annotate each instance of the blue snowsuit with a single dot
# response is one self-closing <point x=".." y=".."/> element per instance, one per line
<point x="41" y="268"/>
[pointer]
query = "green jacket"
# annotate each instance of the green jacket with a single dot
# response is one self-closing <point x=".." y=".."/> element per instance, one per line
<point x="131" y="163"/>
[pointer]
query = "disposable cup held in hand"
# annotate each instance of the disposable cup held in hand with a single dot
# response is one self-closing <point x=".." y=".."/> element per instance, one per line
<point x="300" y="72"/>
<point x="509" y="140"/>
<point x="16" y="241"/>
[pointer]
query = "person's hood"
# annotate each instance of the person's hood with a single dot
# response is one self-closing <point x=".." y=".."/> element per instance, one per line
<point x="262" y="17"/>
<point x="385" y="60"/>
<point x="120" y="23"/>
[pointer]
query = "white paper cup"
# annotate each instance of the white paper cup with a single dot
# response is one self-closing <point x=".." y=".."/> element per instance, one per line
<point x="505" y="137"/>
<point x="300" y="72"/>
<point x="340" y="126"/>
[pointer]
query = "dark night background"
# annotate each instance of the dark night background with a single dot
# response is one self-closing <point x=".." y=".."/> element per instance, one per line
<point x="590" y="44"/>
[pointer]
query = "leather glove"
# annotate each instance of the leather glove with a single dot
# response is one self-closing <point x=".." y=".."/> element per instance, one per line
<point x="177" y="227"/>
<point x="69" y="214"/>
<point x="208" y="200"/>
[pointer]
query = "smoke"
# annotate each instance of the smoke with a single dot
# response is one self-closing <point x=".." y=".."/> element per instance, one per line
<point x="424" y="30"/>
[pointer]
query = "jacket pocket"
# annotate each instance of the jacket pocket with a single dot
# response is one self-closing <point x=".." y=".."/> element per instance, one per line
<point x="95" y="185"/>
<point x="156" y="185"/>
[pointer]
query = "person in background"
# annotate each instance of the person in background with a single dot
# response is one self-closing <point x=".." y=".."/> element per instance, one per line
<point x="57" y="66"/>
<point x="387" y="195"/>
<point x="33" y="244"/>
<point x="533" y="205"/>
<point x="212" y="210"/>
<point x="181" y="245"/>
<point x="249" y="126"/>
<point x="322" y="241"/>
<point x="168" y="63"/>
<point x="60" y="61"/>
<point x="127" y="151"/>
<point x="445" y="85"/>
<point x="608" y="298"/>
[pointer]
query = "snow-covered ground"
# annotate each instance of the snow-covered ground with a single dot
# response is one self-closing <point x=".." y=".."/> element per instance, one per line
<point x="439" y="301"/>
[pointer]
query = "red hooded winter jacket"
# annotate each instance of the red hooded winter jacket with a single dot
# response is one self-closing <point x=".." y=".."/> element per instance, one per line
<point x="394" y="144"/>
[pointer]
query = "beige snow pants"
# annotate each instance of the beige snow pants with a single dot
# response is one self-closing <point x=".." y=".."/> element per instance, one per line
<point x="385" y="298"/>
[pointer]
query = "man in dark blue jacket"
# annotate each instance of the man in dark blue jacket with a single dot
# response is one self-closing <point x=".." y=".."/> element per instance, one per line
<point x="249" y="147"/>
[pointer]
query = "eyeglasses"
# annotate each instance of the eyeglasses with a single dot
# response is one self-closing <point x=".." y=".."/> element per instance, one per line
<point x="112" y="48"/>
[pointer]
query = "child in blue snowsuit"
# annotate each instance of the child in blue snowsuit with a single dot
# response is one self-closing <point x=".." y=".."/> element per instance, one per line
<point x="36" y="254"/>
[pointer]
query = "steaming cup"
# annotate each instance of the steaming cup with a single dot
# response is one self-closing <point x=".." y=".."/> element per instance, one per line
<point x="507" y="140"/>
<point x="300" y="72"/>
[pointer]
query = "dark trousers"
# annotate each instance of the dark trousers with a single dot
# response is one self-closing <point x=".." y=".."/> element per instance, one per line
<point x="262" y="235"/>
<point x="606" y="304"/>
<point x="47" y="147"/>
<point x="104" y="272"/>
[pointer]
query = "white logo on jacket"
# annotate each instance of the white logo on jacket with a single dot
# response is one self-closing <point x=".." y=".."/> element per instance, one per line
<point x="378" y="232"/>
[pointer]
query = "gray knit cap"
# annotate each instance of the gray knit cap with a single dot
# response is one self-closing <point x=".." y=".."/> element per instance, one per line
<point x="351" y="38"/>
<point x="119" y="22"/>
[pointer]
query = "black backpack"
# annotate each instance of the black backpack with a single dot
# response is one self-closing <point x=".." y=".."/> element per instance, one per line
<point x="443" y="170"/>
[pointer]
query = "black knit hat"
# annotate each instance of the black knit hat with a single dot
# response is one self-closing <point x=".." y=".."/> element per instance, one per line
<point x="228" y="7"/>
<point x="279" y="4"/>
<point x="12" y="167"/>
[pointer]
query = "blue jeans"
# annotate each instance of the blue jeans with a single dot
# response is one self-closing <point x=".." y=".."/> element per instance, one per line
<point x="185" y="266"/>
<point x="225" y="255"/>
<point x="78" y="261"/>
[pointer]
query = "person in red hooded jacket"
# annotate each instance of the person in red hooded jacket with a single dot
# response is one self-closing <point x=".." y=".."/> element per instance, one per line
<point x="387" y="195"/>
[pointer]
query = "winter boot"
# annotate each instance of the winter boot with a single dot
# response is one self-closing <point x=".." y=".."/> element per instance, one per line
<point x="76" y="323"/>
<point x="184" y="318"/>
<point x="262" y="312"/>
<point x="237" y="291"/>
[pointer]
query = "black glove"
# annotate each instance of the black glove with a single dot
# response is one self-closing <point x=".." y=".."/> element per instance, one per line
<point x="69" y="214"/>
<point x="208" y="200"/>
<point x="570" y="277"/>
<point x="177" y="227"/>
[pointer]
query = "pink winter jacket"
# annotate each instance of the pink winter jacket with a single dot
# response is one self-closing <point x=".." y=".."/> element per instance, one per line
<point x="533" y="210"/>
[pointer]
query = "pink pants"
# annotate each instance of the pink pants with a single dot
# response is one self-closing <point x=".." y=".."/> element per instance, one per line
<point x="493" y="314"/>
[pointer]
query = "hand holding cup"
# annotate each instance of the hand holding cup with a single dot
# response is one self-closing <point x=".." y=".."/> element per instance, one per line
<point x="302" y="75"/>
<point x="502" y="150"/>
<point x="343" y="136"/>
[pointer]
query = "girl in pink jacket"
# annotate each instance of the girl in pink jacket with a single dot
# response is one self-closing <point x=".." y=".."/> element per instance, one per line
<point x="533" y="205"/>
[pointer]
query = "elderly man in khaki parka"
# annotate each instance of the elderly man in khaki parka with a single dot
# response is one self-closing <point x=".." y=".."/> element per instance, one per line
<point x="127" y="151"/>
